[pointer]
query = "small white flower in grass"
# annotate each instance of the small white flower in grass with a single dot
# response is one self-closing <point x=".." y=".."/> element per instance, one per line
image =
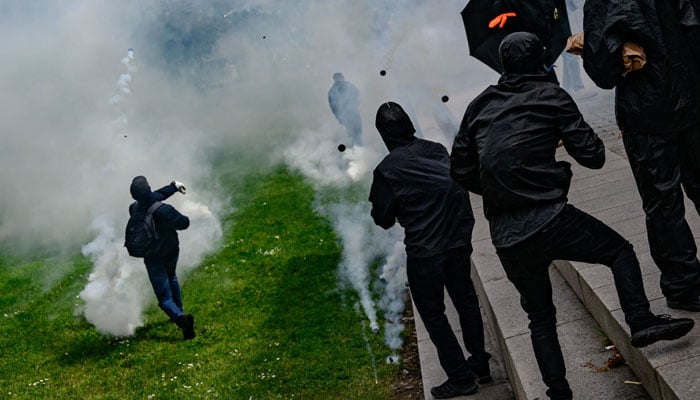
<point x="150" y="396"/>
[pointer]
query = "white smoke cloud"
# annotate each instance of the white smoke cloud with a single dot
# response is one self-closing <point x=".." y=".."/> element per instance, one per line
<point x="207" y="77"/>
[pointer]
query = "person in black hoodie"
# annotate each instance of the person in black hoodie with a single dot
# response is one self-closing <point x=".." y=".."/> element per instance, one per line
<point x="412" y="185"/>
<point x="162" y="263"/>
<point x="505" y="151"/>
<point x="656" y="109"/>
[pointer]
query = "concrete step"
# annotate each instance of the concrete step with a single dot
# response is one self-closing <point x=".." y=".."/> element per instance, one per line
<point x="514" y="367"/>
<point x="581" y="338"/>
<point x="668" y="370"/>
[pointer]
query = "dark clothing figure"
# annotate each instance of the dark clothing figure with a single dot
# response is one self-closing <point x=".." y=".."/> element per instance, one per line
<point x="505" y="150"/>
<point x="161" y="265"/>
<point x="344" y="99"/>
<point x="541" y="17"/>
<point x="412" y="185"/>
<point x="656" y="109"/>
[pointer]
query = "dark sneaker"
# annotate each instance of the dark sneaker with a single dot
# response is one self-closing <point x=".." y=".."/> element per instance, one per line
<point x="449" y="389"/>
<point x="482" y="376"/>
<point x="482" y="373"/>
<point x="186" y="323"/>
<point x="692" y="304"/>
<point x="660" y="327"/>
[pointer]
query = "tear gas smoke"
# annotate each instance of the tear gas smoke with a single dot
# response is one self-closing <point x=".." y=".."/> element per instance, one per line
<point x="118" y="291"/>
<point x="253" y="82"/>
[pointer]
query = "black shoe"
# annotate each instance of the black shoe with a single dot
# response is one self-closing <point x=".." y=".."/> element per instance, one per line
<point x="186" y="323"/>
<point x="482" y="377"/>
<point x="692" y="304"/>
<point x="449" y="389"/>
<point x="660" y="327"/>
<point x="481" y="372"/>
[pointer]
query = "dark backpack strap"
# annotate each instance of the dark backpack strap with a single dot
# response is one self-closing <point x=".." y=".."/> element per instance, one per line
<point x="154" y="207"/>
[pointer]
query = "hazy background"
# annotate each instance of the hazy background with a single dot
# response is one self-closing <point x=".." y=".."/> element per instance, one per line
<point x="82" y="116"/>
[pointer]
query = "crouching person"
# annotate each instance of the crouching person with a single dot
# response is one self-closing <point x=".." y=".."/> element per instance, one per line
<point x="505" y="151"/>
<point x="161" y="258"/>
<point x="412" y="185"/>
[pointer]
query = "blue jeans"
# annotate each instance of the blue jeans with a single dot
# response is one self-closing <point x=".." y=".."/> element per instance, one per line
<point x="576" y="236"/>
<point x="166" y="286"/>
<point x="428" y="277"/>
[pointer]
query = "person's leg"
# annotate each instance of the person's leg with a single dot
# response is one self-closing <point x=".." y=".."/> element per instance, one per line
<point x="427" y="285"/>
<point x="655" y="165"/>
<point x="460" y="287"/>
<point x="577" y="236"/>
<point x="170" y="267"/>
<point x="689" y="154"/>
<point x="529" y="272"/>
<point x="354" y="127"/>
<point x="158" y="275"/>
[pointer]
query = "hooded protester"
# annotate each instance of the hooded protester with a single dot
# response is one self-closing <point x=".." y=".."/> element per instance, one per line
<point x="344" y="100"/>
<point x="656" y="109"/>
<point x="162" y="263"/>
<point x="412" y="185"/>
<point x="541" y="17"/>
<point x="505" y="151"/>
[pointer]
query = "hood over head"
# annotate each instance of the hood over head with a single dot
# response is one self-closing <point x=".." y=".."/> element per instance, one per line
<point x="394" y="125"/>
<point x="140" y="190"/>
<point x="522" y="53"/>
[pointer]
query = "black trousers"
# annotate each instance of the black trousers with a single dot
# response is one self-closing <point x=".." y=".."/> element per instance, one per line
<point x="661" y="163"/>
<point x="428" y="278"/>
<point x="576" y="236"/>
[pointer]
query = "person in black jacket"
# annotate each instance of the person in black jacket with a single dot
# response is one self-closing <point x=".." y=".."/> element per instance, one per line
<point x="161" y="265"/>
<point x="505" y="151"/>
<point x="656" y="109"/>
<point x="412" y="185"/>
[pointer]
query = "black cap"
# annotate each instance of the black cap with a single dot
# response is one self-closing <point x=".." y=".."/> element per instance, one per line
<point x="140" y="190"/>
<point x="522" y="53"/>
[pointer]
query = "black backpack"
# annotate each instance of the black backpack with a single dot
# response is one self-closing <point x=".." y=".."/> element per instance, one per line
<point x="141" y="238"/>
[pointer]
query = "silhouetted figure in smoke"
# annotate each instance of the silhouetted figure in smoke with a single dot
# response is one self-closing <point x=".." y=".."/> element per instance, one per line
<point x="344" y="99"/>
<point x="412" y="185"/>
<point x="162" y="263"/>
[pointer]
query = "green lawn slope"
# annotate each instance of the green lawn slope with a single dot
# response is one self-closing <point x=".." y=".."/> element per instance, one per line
<point x="271" y="322"/>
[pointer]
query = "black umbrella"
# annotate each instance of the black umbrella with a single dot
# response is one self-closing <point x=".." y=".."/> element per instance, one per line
<point x="487" y="22"/>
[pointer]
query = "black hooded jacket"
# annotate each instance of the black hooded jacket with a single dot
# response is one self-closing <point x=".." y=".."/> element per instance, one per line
<point x="505" y="148"/>
<point x="167" y="219"/>
<point x="658" y="98"/>
<point x="412" y="185"/>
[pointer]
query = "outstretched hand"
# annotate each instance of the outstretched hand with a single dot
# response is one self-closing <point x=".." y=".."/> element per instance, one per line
<point x="180" y="187"/>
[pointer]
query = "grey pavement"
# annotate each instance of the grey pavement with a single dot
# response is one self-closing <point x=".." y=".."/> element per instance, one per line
<point x="587" y="304"/>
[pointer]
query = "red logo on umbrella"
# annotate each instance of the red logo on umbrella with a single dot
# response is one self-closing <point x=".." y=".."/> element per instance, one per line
<point x="501" y="20"/>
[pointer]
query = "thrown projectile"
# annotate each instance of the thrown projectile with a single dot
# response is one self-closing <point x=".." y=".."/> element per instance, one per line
<point x="445" y="99"/>
<point x="382" y="72"/>
<point x="341" y="147"/>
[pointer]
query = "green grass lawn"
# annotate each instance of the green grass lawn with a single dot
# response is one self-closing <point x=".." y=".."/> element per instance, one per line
<point x="270" y="321"/>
